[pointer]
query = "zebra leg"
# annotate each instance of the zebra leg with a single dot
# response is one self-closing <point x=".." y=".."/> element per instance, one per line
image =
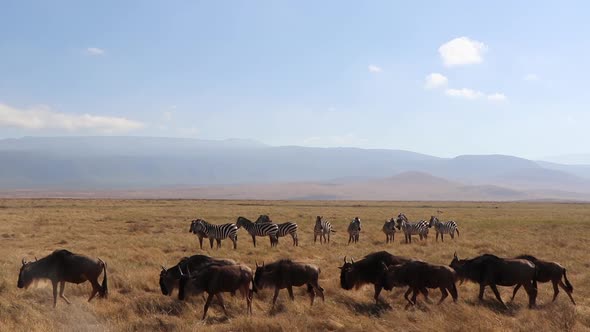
<point x="201" y="242"/>
<point x="218" y="243"/>
<point x="211" y="242"/>
<point x="436" y="236"/>
<point x="254" y="240"/>
<point x="442" y="237"/>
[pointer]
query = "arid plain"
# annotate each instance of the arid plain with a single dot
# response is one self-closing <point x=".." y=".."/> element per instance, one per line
<point x="135" y="237"/>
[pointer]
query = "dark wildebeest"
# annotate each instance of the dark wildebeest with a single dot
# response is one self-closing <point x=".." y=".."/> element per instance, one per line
<point x="169" y="278"/>
<point x="549" y="271"/>
<point x="217" y="279"/>
<point x="63" y="266"/>
<point x="285" y="274"/>
<point x="490" y="270"/>
<point x="418" y="276"/>
<point x="367" y="271"/>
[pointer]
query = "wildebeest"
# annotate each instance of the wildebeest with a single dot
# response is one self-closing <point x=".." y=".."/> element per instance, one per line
<point x="490" y="270"/>
<point x="63" y="266"/>
<point x="169" y="278"/>
<point x="217" y="279"/>
<point x="549" y="271"/>
<point x="389" y="230"/>
<point x="367" y="270"/>
<point x="419" y="275"/>
<point x="285" y="274"/>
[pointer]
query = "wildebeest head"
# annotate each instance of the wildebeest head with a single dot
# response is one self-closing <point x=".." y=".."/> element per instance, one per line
<point x="184" y="284"/>
<point x="166" y="281"/>
<point x="261" y="276"/>
<point x="387" y="278"/>
<point x="348" y="274"/>
<point x="25" y="277"/>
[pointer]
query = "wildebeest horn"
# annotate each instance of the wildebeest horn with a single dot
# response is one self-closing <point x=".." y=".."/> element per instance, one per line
<point x="163" y="268"/>
<point x="24" y="261"/>
<point x="188" y="271"/>
<point x="35" y="258"/>
<point x="256" y="263"/>
<point x="344" y="259"/>
<point x="179" y="269"/>
<point x="352" y="260"/>
<point x="455" y="255"/>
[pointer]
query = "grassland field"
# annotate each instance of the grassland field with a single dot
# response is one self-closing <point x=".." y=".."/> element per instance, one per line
<point x="135" y="237"/>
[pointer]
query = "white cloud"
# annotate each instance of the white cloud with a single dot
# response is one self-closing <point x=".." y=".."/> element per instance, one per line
<point x="464" y="93"/>
<point x="462" y="51"/>
<point x="497" y="97"/>
<point x="436" y="80"/>
<point x="167" y="115"/>
<point x="95" y="51"/>
<point x="374" y="69"/>
<point x="42" y="117"/>
<point x="531" y="77"/>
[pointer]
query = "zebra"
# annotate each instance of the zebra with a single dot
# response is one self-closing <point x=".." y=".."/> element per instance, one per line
<point x="286" y="228"/>
<point x="442" y="228"/>
<point x="204" y="229"/>
<point x="409" y="229"/>
<point x="354" y="230"/>
<point x="322" y="228"/>
<point x="389" y="230"/>
<point x="259" y="229"/>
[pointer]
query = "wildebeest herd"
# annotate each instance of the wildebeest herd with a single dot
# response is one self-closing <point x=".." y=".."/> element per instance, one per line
<point x="204" y="274"/>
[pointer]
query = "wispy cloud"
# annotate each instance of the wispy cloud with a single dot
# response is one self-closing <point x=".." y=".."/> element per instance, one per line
<point x="95" y="51"/>
<point x="464" y="93"/>
<point x="531" y="77"/>
<point x="42" y="117"/>
<point x="497" y="97"/>
<point x="462" y="51"/>
<point x="436" y="80"/>
<point x="374" y="69"/>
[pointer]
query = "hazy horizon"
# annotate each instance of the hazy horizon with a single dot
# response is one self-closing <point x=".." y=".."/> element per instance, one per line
<point x="303" y="73"/>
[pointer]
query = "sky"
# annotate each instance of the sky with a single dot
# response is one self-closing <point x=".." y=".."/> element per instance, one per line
<point x="442" y="78"/>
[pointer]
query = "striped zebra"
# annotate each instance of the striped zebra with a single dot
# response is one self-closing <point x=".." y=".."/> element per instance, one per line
<point x="441" y="228"/>
<point x="418" y="228"/>
<point x="389" y="230"/>
<point x="286" y="228"/>
<point x="259" y="229"/>
<point x="322" y="228"/>
<point x="214" y="232"/>
<point x="354" y="230"/>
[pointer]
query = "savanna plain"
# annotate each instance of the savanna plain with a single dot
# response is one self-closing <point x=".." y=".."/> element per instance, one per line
<point x="136" y="237"/>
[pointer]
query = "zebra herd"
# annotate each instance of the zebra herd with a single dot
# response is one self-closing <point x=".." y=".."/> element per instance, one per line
<point x="264" y="226"/>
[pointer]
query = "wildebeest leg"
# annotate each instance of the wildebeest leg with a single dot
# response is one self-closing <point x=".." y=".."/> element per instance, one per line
<point x="562" y="285"/>
<point x="249" y="295"/>
<point x="453" y="291"/>
<point x="444" y="295"/>
<point x="482" y="287"/>
<point x="54" y="284"/>
<point x="415" y="294"/>
<point x="221" y="303"/>
<point x="424" y="292"/>
<point x="532" y="293"/>
<point x="497" y="293"/>
<point x="62" y="286"/>
<point x="516" y="290"/>
<point x="274" y="298"/>
<point x="209" y="298"/>
<point x="254" y="240"/>
<point x="95" y="289"/>
<point x="407" y="298"/>
<point x="377" y="292"/>
<point x="290" y="290"/>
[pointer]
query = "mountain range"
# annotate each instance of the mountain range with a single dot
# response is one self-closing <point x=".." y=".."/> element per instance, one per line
<point x="150" y="167"/>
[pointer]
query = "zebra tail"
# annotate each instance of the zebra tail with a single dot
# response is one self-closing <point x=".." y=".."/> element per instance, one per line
<point x="457" y="229"/>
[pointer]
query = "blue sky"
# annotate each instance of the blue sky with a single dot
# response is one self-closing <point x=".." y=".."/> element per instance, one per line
<point x="509" y="76"/>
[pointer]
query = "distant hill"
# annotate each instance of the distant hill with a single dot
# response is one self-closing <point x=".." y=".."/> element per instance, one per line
<point x="233" y="168"/>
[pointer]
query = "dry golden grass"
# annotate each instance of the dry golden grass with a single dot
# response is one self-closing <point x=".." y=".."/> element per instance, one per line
<point x="136" y="236"/>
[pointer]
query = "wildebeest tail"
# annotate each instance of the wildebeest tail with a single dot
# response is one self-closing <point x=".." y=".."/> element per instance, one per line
<point x="104" y="292"/>
<point x="569" y="286"/>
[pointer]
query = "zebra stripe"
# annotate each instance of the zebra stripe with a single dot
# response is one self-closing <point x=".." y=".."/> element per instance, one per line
<point x="322" y="228"/>
<point x="389" y="230"/>
<point x="354" y="230"/>
<point x="418" y="228"/>
<point x="259" y="229"/>
<point x="442" y="228"/>
<point x="287" y="228"/>
<point x="215" y="232"/>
